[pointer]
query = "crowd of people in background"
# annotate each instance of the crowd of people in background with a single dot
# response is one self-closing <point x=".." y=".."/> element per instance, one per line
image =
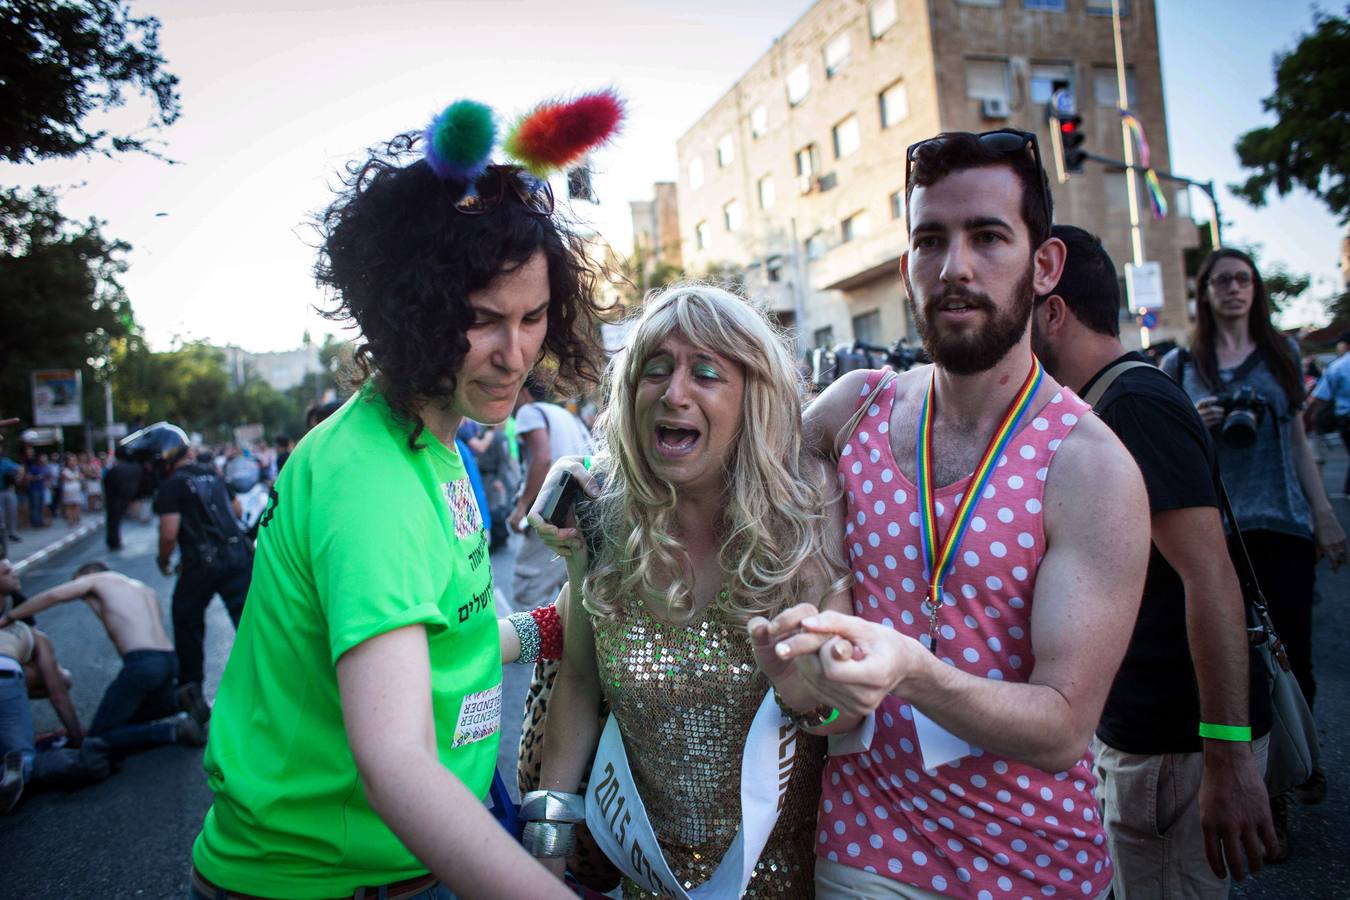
<point x="828" y="588"/>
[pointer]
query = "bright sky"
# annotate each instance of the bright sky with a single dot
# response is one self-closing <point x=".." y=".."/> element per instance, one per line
<point x="277" y="95"/>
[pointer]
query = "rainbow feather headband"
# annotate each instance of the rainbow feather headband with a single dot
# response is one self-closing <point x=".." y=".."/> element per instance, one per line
<point x="553" y="135"/>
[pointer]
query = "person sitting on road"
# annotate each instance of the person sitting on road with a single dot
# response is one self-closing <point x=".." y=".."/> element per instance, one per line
<point x="27" y="662"/>
<point x="138" y="709"/>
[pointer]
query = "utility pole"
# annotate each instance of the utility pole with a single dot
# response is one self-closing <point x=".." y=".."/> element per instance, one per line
<point x="1131" y="183"/>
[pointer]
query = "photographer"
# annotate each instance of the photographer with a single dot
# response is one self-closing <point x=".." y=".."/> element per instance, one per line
<point x="1246" y="382"/>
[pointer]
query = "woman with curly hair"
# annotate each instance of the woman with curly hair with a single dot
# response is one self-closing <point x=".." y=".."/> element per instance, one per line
<point x="711" y="513"/>
<point x="356" y="724"/>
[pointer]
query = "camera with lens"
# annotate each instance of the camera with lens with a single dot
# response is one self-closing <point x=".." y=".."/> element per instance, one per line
<point x="1242" y="411"/>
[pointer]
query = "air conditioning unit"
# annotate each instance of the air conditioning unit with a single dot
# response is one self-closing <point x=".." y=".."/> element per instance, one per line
<point x="994" y="108"/>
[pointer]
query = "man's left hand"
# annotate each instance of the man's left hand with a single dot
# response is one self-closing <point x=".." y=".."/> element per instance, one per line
<point x="165" y="568"/>
<point x="1234" y="812"/>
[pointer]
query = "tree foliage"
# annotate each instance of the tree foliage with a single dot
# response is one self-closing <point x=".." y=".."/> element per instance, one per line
<point x="1309" y="145"/>
<point x="60" y="300"/>
<point x="60" y="61"/>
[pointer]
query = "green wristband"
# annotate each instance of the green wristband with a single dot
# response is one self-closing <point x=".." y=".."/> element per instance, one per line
<point x="1237" y="733"/>
<point x="586" y="463"/>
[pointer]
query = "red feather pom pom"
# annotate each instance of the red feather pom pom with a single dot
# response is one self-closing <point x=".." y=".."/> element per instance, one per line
<point x="555" y="134"/>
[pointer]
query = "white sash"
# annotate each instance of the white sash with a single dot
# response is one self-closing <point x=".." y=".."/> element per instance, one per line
<point x="618" y="820"/>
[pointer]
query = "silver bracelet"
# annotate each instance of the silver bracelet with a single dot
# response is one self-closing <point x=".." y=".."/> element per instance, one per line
<point x="552" y="806"/>
<point x="527" y="630"/>
<point x="548" y="840"/>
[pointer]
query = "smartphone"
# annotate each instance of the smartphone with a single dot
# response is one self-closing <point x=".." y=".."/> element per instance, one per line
<point x="560" y="500"/>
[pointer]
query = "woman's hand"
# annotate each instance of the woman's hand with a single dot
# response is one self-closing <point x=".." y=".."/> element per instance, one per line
<point x="1329" y="537"/>
<point x="566" y="542"/>
<point x="1210" y="410"/>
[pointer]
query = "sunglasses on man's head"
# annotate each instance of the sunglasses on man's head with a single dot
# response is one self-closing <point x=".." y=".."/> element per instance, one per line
<point x="1009" y="141"/>
<point x="492" y="187"/>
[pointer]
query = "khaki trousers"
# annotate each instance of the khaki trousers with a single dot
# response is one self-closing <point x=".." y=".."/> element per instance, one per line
<point x="1151" y="809"/>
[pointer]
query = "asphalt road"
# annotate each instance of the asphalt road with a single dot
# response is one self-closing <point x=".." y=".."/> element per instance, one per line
<point x="130" y="836"/>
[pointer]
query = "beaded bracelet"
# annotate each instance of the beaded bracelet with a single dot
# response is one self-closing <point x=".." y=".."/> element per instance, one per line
<point x="815" y="718"/>
<point x="550" y="631"/>
<point x="527" y="630"/>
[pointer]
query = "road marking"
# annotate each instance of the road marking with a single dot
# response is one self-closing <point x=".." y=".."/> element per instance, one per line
<point x="58" y="546"/>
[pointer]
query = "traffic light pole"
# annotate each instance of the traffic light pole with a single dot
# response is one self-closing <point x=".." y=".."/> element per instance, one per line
<point x="1131" y="183"/>
<point x="1205" y="187"/>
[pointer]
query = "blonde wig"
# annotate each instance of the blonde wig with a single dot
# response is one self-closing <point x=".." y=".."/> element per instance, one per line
<point x="774" y="531"/>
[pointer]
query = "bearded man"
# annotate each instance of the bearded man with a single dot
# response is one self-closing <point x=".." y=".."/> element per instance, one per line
<point x="998" y="536"/>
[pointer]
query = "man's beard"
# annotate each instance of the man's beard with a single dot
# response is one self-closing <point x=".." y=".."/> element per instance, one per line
<point x="967" y="351"/>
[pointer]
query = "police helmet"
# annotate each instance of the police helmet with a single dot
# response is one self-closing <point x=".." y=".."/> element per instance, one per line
<point x="161" y="444"/>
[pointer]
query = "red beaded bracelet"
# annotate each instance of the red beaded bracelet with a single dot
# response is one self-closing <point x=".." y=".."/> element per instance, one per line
<point x="550" y="631"/>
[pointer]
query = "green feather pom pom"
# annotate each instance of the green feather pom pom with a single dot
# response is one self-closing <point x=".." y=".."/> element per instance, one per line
<point x="460" y="140"/>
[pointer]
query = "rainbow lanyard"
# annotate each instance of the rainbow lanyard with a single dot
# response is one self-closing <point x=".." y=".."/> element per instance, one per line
<point x="939" y="560"/>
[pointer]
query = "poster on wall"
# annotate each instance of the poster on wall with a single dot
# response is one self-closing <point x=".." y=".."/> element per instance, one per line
<point x="57" y="397"/>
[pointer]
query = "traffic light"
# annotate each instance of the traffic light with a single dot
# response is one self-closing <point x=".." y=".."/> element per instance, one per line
<point x="1071" y="138"/>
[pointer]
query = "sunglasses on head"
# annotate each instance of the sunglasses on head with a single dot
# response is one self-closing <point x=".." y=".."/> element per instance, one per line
<point x="491" y="188"/>
<point x="1008" y="141"/>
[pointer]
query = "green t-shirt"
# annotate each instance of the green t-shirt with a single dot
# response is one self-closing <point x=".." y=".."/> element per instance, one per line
<point x="362" y="536"/>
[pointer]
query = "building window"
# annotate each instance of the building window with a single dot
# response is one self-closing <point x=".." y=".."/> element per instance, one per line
<point x="731" y="215"/>
<point x="837" y="53"/>
<point x="823" y="337"/>
<point x="858" y="225"/>
<point x="980" y="2"/>
<point x="759" y="121"/>
<point x="897" y="204"/>
<point x="1103" y="7"/>
<point x="808" y="161"/>
<point x="766" y="192"/>
<point x="1051" y="5"/>
<point x="867" y="327"/>
<point x="1106" y="88"/>
<point x="696" y="173"/>
<point x="987" y="79"/>
<point x="815" y="246"/>
<point x="773" y="268"/>
<point x="701" y="235"/>
<point x="846" y="137"/>
<point x="726" y="151"/>
<point x="880" y="17"/>
<point x="1044" y="77"/>
<point x="798" y="84"/>
<point x="894" y="104"/>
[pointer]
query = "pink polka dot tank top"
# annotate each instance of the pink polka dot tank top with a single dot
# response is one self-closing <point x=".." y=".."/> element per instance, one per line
<point x="981" y="827"/>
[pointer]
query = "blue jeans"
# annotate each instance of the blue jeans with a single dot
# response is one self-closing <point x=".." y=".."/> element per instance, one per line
<point x="439" y="892"/>
<point x="141" y="694"/>
<point x="16" y="721"/>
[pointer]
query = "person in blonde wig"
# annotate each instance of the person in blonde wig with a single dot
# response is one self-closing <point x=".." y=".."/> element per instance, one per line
<point x="710" y="513"/>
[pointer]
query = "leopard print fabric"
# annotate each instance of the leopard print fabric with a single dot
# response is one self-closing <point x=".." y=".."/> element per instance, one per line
<point x="587" y="864"/>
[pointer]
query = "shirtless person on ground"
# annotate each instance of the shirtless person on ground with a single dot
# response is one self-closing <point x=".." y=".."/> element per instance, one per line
<point x="138" y="706"/>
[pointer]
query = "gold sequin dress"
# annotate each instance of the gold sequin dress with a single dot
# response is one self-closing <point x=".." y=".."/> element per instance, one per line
<point x="685" y="696"/>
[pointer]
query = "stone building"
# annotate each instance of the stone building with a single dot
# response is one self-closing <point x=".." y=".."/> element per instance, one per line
<point x="797" y="172"/>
